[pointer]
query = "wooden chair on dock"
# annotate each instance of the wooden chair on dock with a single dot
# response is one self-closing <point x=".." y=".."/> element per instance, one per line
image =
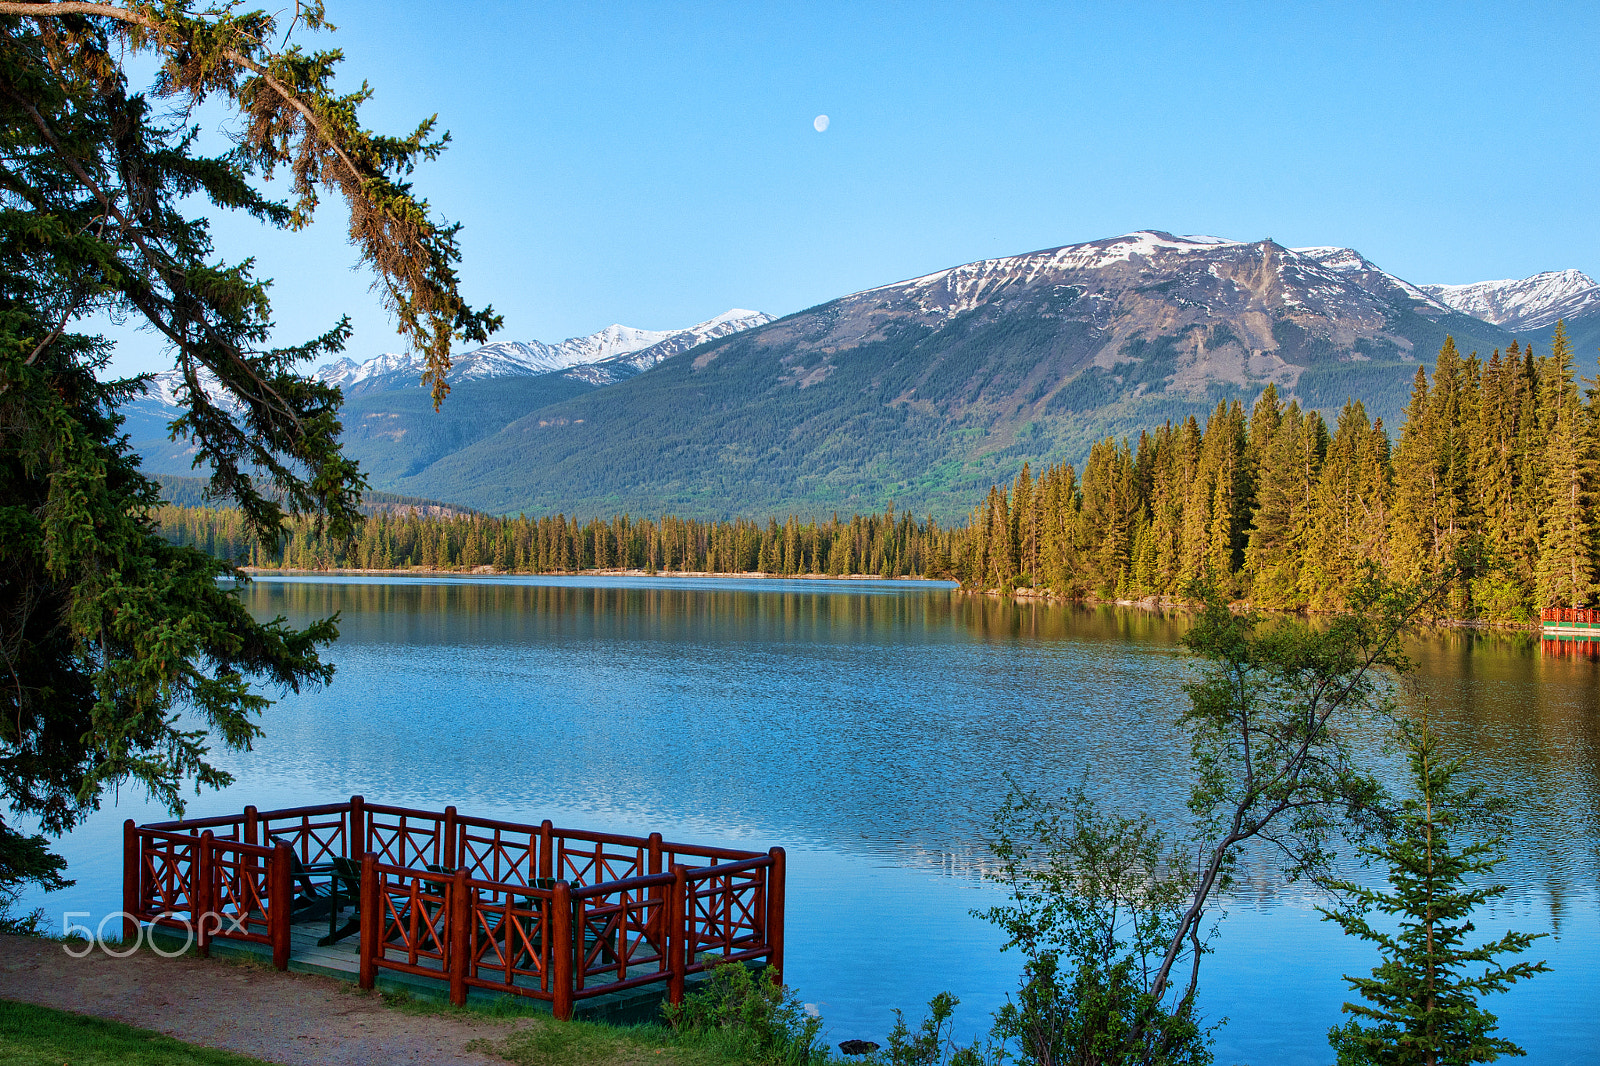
<point x="346" y="872"/>
<point x="314" y="897"/>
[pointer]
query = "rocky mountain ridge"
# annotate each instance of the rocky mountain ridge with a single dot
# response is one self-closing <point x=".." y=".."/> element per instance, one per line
<point x="1151" y="311"/>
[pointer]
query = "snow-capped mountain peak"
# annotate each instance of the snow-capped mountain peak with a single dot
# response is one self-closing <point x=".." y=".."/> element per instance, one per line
<point x="1351" y="262"/>
<point x="1525" y="303"/>
<point x="1091" y="255"/>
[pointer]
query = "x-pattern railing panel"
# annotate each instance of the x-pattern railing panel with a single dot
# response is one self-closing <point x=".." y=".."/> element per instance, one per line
<point x="405" y="842"/>
<point x="167" y="876"/>
<point x="723" y="909"/>
<point x="622" y="933"/>
<point x="500" y="857"/>
<point x="598" y="934"/>
<point x="593" y="865"/>
<point x="314" y="841"/>
<point x="240" y="895"/>
<point x="509" y="941"/>
<point x="412" y="919"/>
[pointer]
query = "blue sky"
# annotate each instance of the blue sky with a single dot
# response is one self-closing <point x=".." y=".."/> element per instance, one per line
<point x="655" y="164"/>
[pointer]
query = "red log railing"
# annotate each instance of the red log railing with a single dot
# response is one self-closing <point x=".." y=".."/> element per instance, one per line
<point x="530" y="910"/>
<point x="1578" y="616"/>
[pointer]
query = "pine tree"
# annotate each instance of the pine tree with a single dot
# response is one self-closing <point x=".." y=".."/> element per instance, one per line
<point x="1434" y="514"/>
<point x="1002" y="566"/>
<point x="1348" y="518"/>
<point x="1166" y="509"/>
<point x="1505" y="593"/>
<point x="1062" y="522"/>
<point x="1025" y="524"/>
<point x="1565" y="571"/>
<point x="1414" y="485"/>
<point x="1232" y="496"/>
<point x="1421" y="1003"/>
<point x="1200" y="497"/>
<point x="1289" y="468"/>
<point x="1109" y="516"/>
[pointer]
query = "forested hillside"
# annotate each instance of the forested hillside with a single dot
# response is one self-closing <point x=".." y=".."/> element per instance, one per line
<point x="1498" y="458"/>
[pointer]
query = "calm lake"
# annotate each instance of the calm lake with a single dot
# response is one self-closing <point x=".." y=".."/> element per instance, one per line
<point x="868" y="728"/>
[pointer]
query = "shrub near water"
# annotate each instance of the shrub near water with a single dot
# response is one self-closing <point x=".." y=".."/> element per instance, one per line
<point x="750" y="1015"/>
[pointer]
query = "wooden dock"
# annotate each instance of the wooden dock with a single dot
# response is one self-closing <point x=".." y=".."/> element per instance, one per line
<point x="1571" y="631"/>
<point x="450" y="906"/>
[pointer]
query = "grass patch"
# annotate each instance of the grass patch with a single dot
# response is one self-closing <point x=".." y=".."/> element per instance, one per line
<point x="551" y="1043"/>
<point x="407" y="1002"/>
<point x="547" y="1042"/>
<point x="737" y="1018"/>
<point x="40" y="1036"/>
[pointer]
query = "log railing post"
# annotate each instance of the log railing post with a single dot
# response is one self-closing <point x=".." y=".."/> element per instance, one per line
<point x="447" y="845"/>
<point x="201" y="904"/>
<point x="132" y="889"/>
<point x="248" y="864"/>
<point x="677" y="934"/>
<point x="776" y="874"/>
<point x="281" y="893"/>
<point x="355" y="843"/>
<point x="546" y="849"/>
<point x="458" y="934"/>
<point x="371" y="921"/>
<point x="655" y="926"/>
<point x="561" y="950"/>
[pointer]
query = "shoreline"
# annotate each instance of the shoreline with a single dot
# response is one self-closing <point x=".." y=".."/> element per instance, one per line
<point x="489" y="571"/>
<point x="1148" y="603"/>
<point x="1158" y="603"/>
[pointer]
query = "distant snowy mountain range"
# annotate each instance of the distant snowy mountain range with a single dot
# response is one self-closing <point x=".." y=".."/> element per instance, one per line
<point x="1526" y="303"/>
<point x="601" y="358"/>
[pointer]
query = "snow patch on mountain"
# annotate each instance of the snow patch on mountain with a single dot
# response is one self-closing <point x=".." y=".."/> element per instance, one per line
<point x="1525" y="303"/>
<point x="170" y="390"/>
<point x="1092" y="255"/>
<point x="964" y="287"/>
<point x="1326" y="281"/>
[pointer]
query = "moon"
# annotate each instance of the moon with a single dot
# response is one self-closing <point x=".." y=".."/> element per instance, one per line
<point x="819" y="123"/>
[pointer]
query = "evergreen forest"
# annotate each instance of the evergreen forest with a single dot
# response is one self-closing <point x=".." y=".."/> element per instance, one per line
<point x="1495" y="464"/>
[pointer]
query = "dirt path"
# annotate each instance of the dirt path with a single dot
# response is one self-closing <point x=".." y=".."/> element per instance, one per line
<point x="280" y="1017"/>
